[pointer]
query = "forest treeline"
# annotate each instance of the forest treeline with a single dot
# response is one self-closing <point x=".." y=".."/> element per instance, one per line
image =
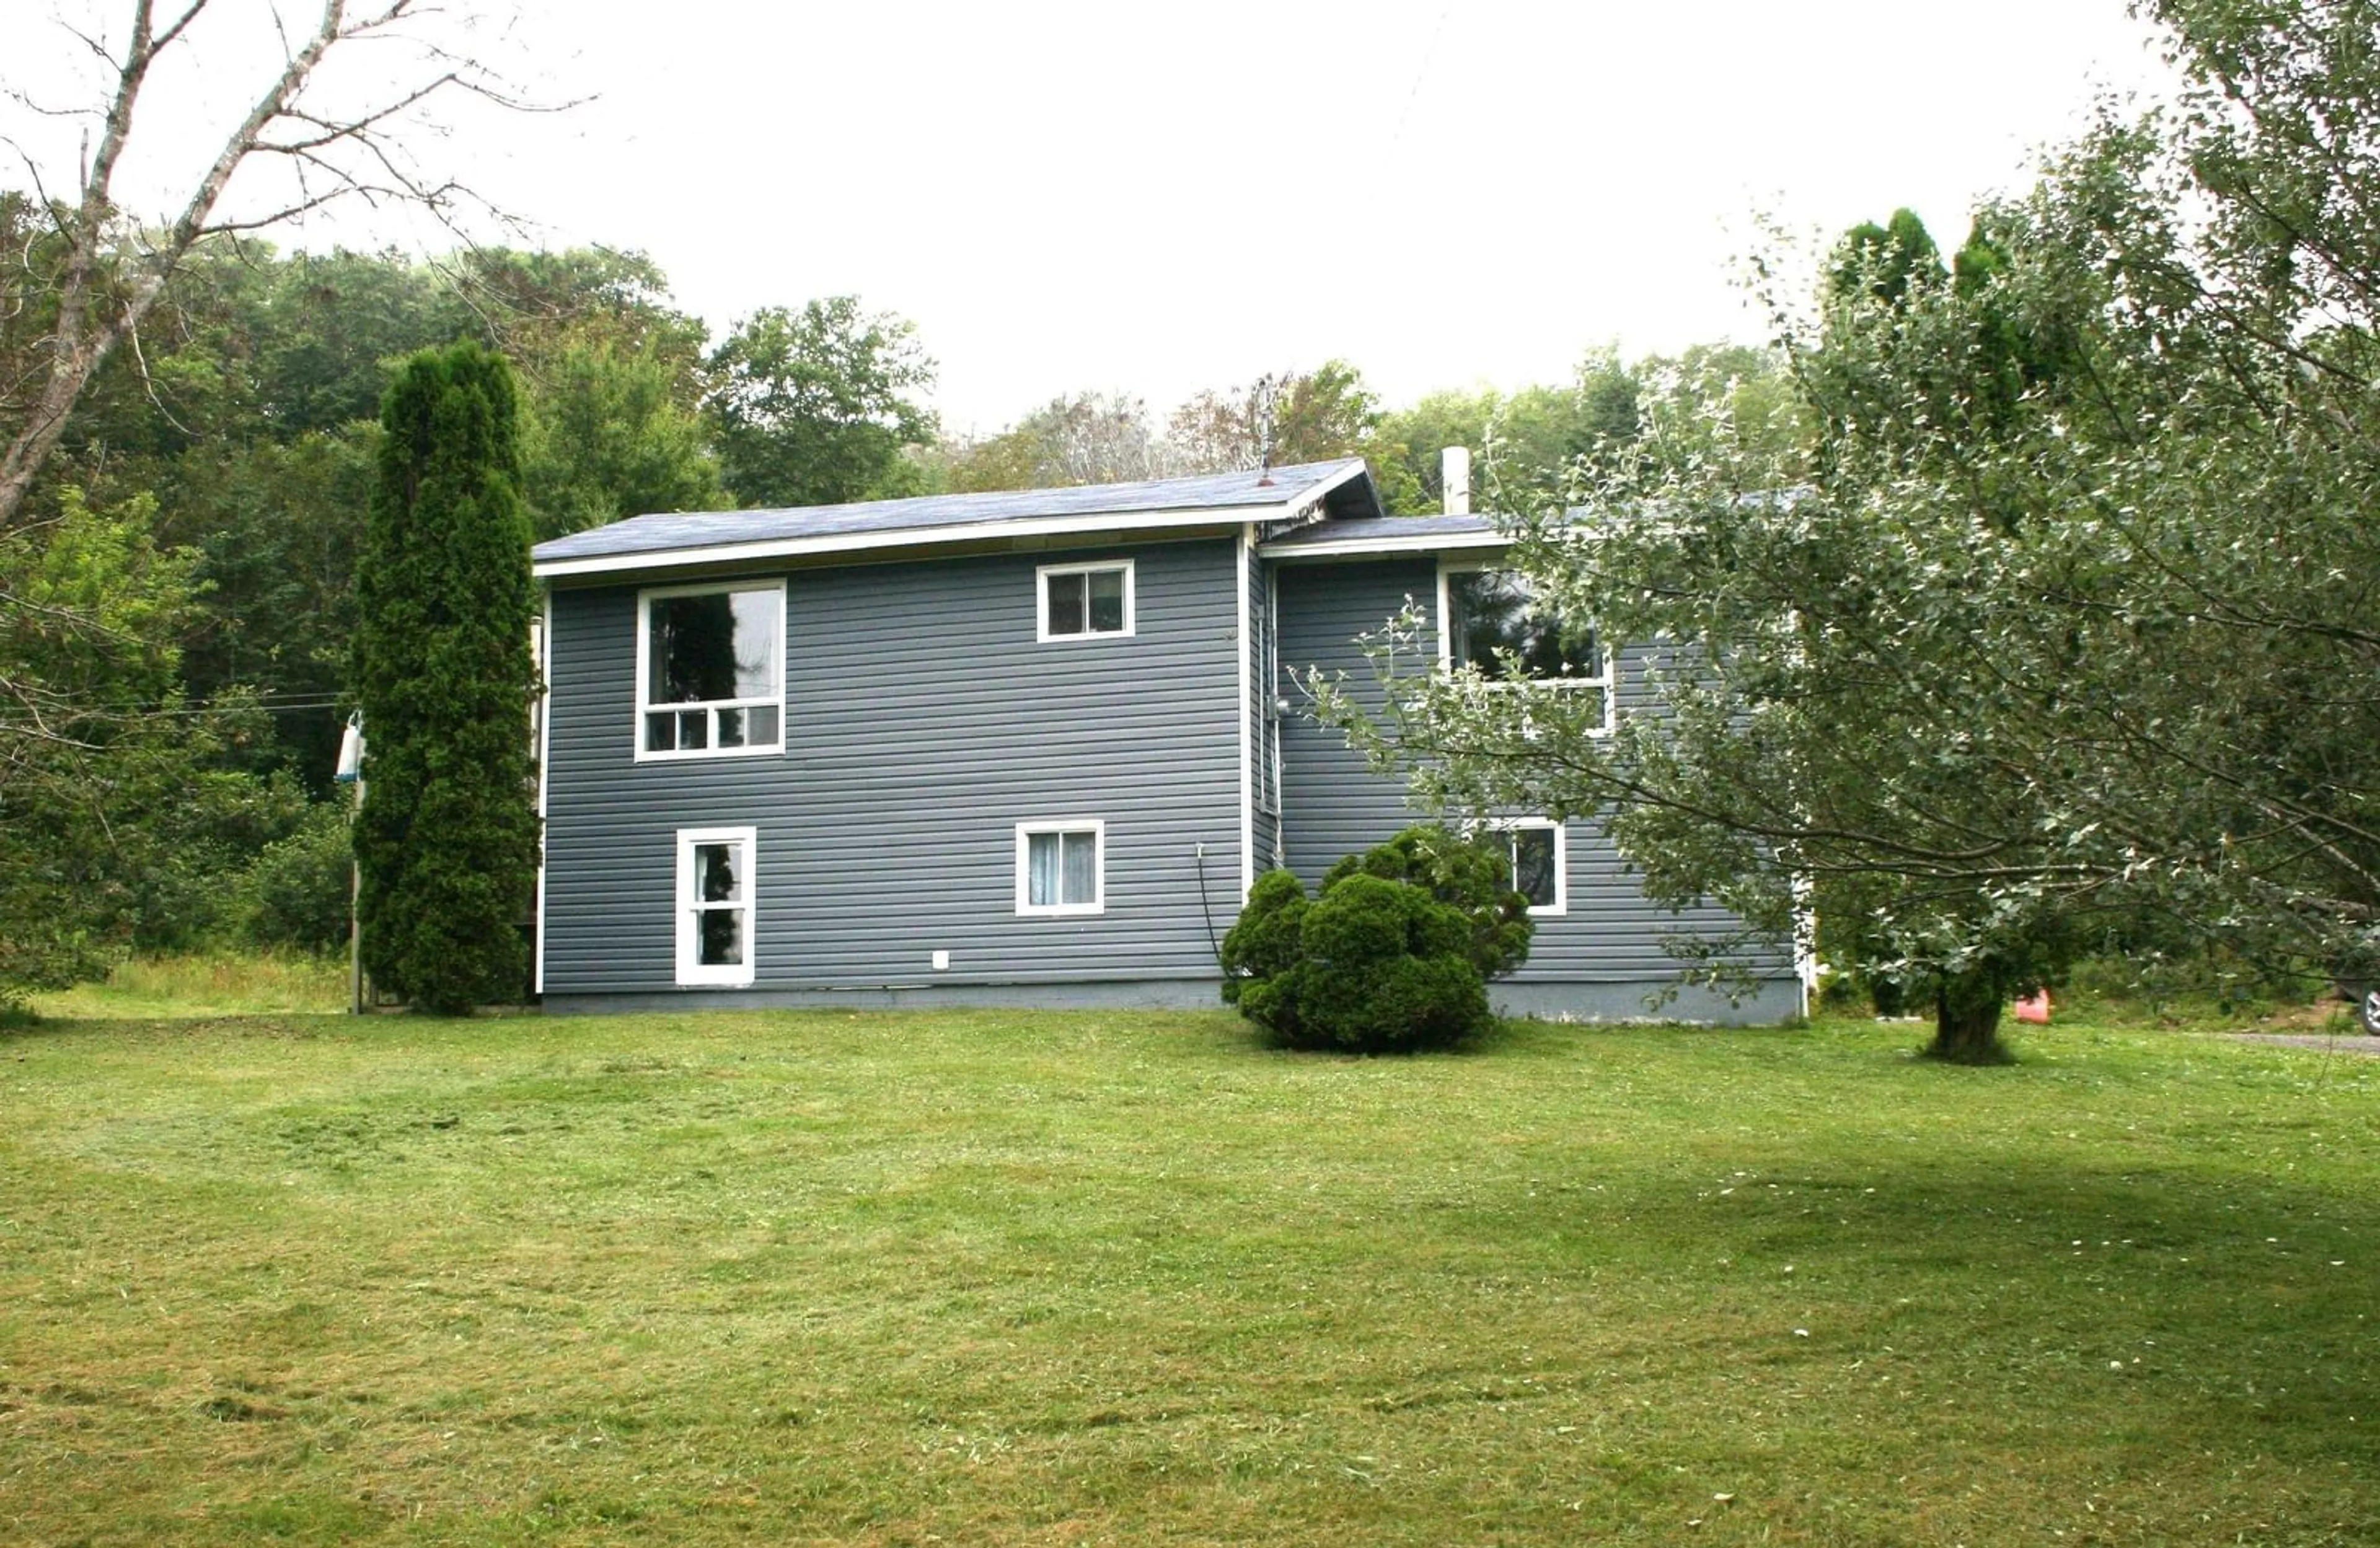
<point x="176" y="657"/>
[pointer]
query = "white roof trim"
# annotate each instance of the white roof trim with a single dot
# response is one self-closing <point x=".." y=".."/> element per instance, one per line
<point x="1420" y="542"/>
<point x="908" y="537"/>
<point x="1298" y="500"/>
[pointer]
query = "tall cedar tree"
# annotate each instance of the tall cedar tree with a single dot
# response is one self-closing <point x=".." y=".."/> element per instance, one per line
<point x="447" y="838"/>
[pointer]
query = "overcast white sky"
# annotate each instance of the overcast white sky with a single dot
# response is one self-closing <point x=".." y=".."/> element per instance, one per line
<point x="1160" y="198"/>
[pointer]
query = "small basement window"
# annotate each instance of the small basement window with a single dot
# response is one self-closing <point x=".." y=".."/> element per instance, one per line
<point x="1061" y="867"/>
<point x="715" y="905"/>
<point x="1539" y="864"/>
<point x="1078" y="601"/>
<point x="710" y="670"/>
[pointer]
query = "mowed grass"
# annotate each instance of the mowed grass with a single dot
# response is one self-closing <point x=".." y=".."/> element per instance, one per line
<point x="1041" y="1278"/>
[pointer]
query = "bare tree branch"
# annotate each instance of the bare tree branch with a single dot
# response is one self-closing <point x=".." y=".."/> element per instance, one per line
<point x="108" y="281"/>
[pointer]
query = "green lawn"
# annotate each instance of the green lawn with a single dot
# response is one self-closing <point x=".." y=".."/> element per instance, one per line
<point x="1038" y="1278"/>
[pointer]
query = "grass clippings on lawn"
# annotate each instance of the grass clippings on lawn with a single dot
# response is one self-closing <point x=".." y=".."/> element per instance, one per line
<point x="1007" y="1278"/>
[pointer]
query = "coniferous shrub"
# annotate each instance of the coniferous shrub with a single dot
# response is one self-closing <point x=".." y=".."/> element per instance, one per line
<point x="447" y="836"/>
<point x="1391" y="956"/>
<point x="1262" y="948"/>
<point x="1473" y="874"/>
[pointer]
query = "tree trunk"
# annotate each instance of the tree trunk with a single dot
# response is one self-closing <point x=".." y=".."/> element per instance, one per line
<point x="1967" y="1021"/>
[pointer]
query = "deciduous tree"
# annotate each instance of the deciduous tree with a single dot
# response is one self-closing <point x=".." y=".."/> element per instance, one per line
<point x="103" y="274"/>
<point x="818" y="406"/>
<point x="2068" y="622"/>
<point x="94" y="754"/>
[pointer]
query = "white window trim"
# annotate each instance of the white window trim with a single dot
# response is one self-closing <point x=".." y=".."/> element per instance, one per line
<point x="1607" y="683"/>
<point x="645" y="677"/>
<point x="1042" y="574"/>
<point x="1561" y="905"/>
<point x="1098" y="828"/>
<point x="689" y="939"/>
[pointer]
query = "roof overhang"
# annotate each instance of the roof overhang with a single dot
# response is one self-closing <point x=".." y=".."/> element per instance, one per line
<point x="1303" y="505"/>
<point x="1373" y="547"/>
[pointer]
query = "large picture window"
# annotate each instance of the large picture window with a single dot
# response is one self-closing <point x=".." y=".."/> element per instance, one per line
<point x="1497" y="624"/>
<point x="710" y="670"/>
<point x="715" y="905"/>
<point x="1061" y="867"/>
<point x="1084" y="601"/>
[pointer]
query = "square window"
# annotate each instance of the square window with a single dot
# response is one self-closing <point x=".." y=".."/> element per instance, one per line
<point x="711" y="669"/>
<point x="1496" y="622"/>
<point x="1061" y="867"/>
<point x="1084" y="601"/>
<point x="715" y="905"/>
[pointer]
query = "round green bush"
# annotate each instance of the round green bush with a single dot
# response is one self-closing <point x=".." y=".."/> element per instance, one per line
<point x="1471" y="875"/>
<point x="1378" y="963"/>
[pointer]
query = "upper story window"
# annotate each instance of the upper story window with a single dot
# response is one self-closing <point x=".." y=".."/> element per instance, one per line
<point x="1081" y="602"/>
<point x="710" y="670"/>
<point x="1496" y="622"/>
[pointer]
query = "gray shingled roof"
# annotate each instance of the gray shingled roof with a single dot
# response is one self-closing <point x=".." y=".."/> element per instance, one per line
<point x="661" y="535"/>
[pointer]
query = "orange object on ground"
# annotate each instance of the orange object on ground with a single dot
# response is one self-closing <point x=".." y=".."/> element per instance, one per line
<point x="2035" y="1007"/>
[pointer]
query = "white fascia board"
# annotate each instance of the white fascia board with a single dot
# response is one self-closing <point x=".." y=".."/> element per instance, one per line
<point x="1243" y="573"/>
<point x="926" y="537"/>
<point x="1312" y="493"/>
<point x="1359" y="546"/>
<point x="544" y="763"/>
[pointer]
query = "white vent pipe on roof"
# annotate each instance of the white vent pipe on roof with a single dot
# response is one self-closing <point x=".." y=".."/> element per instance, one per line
<point x="1454" y="478"/>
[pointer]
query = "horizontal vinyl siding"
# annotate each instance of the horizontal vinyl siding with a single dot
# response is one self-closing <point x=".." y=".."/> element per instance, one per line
<point x="1333" y="806"/>
<point x="923" y="723"/>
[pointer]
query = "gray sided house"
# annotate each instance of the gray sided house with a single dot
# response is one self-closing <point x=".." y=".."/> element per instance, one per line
<point x="1025" y="748"/>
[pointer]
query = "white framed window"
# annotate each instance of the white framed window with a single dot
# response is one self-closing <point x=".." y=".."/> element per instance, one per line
<point x="1493" y="619"/>
<point x="711" y="669"/>
<point x="1541" y="851"/>
<point x="1083" y="602"/>
<point x="1062" y="866"/>
<point x="717" y="911"/>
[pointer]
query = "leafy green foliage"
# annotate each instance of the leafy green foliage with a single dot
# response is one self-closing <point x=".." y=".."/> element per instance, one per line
<point x="1284" y="418"/>
<point x="1088" y="438"/>
<point x="1534" y="444"/>
<point x="1293" y="417"/>
<point x="816" y="407"/>
<point x="188" y="895"/>
<point x="447" y="836"/>
<point x="607" y="438"/>
<point x="297" y="891"/>
<point x="1886" y="262"/>
<point x="98" y="771"/>
<point x="2062" y="621"/>
<point x="1393" y="955"/>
